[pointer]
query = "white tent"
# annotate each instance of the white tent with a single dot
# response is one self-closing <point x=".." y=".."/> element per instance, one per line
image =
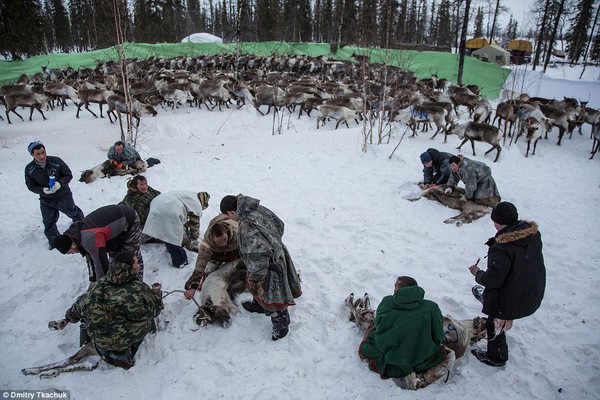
<point x="492" y="53"/>
<point x="201" y="38"/>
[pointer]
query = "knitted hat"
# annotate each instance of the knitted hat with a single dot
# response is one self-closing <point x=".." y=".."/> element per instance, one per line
<point x="228" y="203"/>
<point x="62" y="243"/>
<point x="505" y="213"/>
<point x="34" y="144"/>
<point x="425" y="158"/>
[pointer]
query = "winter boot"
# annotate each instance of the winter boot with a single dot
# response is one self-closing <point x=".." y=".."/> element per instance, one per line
<point x="178" y="255"/>
<point x="253" y="307"/>
<point x="280" y="321"/>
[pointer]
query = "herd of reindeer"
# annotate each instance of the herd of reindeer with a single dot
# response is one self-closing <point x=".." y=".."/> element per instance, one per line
<point x="337" y="90"/>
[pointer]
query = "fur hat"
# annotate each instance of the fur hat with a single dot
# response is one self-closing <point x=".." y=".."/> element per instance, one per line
<point x="204" y="197"/>
<point x="62" y="243"/>
<point x="425" y="158"/>
<point x="32" y="145"/>
<point x="505" y="213"/>
<point x="228" y="203"/>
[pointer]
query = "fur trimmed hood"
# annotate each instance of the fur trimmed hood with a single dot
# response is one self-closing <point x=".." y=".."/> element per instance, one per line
<point x="516" y="232"/>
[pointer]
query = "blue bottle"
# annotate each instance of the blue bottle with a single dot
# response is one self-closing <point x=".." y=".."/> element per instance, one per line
<point x="51" y="179"/>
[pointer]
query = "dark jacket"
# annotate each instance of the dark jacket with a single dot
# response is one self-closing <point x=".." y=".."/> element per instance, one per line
<point x="102" y="231"/>
<point x="118" y="310"/>
<point x="140" y="202"/>
<point x="37" y="178"/>
<point x="440" y="171"/>
<point x="515" y="279"/>
<point x="407" y="335"/>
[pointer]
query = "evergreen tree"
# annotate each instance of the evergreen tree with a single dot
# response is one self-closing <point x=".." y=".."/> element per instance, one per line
<point x="432" y="32"/>
<point x="444" y="31"/>
<point x="62" y="27"/>
<point x="349" y="21"/>
<point x="577" y="35"/>
<point x="478" y="32"/>
<point x="595" y="51"/>
<point x="411" y="26"/>
<point x="47" y="12"/>
<point x="266" y="19"/>
<point x="21" y="28"/>
<point x="401" y="27"/>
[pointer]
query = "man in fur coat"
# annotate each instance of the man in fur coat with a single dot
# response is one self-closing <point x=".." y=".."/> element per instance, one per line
<point x="515" y="279"/>
<point x="272" y="277"/>
<point x="480" y="187"/>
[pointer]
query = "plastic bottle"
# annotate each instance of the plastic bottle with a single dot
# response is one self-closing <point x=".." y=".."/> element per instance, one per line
<point x="51" y="179"/>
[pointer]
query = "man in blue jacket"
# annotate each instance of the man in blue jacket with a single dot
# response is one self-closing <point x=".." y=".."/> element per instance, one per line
<point x="39" y="174"/>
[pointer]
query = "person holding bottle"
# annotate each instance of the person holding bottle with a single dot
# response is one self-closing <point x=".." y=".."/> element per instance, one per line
<point x="49" y="177"/>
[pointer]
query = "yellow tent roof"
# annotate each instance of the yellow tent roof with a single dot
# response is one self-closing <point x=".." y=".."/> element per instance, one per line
<point x="520" y="45"/>
<point x="476" y="43"/>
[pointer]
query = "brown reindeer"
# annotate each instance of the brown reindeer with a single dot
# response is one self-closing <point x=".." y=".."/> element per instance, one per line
<point x="117" y="104"/>
<point x="470" y="210"/>
<point x="339" y="113"/>
<point x="473" y="131"/>
<point x="88" y="96"/>
<point x="31" y="100"/>
<point x="506" y="111"/>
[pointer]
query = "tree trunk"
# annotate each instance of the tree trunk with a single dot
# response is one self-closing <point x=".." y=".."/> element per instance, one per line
<point x="538" y="45"/>
<point x="494" y="21"/>
<point x="463" y="41"/>
<point x="554" y="30"/>
<point x="587" y="50"/>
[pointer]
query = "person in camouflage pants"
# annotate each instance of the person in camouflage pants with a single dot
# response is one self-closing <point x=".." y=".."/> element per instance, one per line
<point x="118" y="311"/>
<point x="139" y="195"/>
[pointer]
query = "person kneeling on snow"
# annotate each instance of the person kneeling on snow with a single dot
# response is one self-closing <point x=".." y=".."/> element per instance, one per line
<point x="405" y="342"/>
<point x="118" y="311"/>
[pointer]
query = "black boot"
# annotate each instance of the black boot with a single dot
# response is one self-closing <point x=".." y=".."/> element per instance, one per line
<point x="280" y="321"/>
<point x="253" y="307"/>
<point x="497" y="348"/>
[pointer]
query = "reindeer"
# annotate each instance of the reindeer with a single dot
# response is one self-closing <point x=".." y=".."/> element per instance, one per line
<point x="464" y="99"/>
<point x="271" y="96"/>
<point x="482" y="111"/>
<point x="561" y="119"/>
<point x="469" y="210"/>
<point x="176" y="97"/>
<point x="534" y="131"/>
<point x="505" y="111"/>
<point x="339" y="113"/>
<point x="116" y="103"/>
<point x="88" y="96"/>
<point x="31" y="100"/>
<point x="106" y="168"/>
<point x="424" y="114"/>
<point x="473" y="131"/>
<point x="218" y="292"/>
<point x="458" y="334"/>
<point x="63" y="92"/>
<point x="596" y="142"/>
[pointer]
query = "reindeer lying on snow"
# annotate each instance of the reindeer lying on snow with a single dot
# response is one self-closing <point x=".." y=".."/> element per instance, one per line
<point x="470" y="210"/>
<point x="459" y="335"/>
<point x="107" y="169"/>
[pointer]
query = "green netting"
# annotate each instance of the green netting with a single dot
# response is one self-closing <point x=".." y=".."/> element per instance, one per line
<point x="490" y="77"/>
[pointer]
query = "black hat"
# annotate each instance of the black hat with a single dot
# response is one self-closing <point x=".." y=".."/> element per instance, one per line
<point x="425" y="158"/>
<point x="228" y="203"/>
<point x="62" y="243"/>
<point x="505" y="213"/>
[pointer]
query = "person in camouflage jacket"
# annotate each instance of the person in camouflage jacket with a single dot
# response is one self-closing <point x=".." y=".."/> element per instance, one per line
<point x="219" y="246"/>
<point x="118" y="311"/>
<point x="139" y="195"/>
<point x="272" y="277"/>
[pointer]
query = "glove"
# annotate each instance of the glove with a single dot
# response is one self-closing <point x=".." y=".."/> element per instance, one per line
<point x="53" y="189"/>
<point x="463" y="198"/>
<point x="255" y="287"/>
<point x="118" y="164"/>
<point x="448" y="190"/>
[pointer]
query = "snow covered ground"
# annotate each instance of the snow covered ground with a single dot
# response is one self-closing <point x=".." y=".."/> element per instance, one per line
<point x="349" y="228"/>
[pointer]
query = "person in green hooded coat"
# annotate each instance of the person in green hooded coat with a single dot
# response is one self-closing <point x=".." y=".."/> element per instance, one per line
<point x="406" y="340"/>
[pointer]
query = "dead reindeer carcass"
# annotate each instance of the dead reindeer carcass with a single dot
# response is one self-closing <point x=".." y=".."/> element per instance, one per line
<point x="458" y="334"/>
<point x="218" y="292"/>
<point x="77" y="362"/>
<point x="470" y="210"/>
<point x="107" y="169"/>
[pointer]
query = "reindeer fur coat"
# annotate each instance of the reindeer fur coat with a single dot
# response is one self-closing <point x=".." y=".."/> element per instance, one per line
<point x="477" y="178"/>
<point x="169" y="213"/>
<point x="266" y="257"/>
<point x="407" y="335"/>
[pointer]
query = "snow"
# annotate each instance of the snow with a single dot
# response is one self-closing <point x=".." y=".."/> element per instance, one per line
<point x="203" y="37"/>
<point x="349" y="228"/>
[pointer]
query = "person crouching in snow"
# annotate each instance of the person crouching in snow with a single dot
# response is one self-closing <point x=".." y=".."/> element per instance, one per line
<point x="406" y="341"/>
<point x="272" y="277"/>
<point x="118" y="311"/>
<point x="174" y="218"/>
